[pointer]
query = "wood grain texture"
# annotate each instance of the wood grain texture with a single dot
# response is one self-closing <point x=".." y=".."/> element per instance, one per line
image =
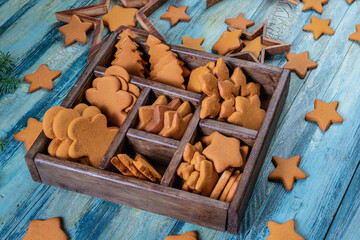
<point x="105" y="220"/>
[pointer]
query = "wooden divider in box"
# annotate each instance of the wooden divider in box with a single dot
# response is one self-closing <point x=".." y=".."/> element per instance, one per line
<point x="163" y="198"/>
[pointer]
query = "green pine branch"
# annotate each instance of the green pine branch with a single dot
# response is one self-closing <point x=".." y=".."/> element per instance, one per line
<point x="8" y="81"/>
<point x="3" y="142"/>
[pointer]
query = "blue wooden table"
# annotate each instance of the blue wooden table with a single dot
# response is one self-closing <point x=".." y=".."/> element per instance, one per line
<point x="325" y="205"/>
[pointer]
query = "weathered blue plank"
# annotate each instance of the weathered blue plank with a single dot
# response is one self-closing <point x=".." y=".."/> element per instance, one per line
<point x="346" y="222"/>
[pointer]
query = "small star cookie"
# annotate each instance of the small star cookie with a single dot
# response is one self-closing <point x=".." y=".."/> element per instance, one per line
<point x="356" y="35"/>
<point x="30" y="133"/>
<point x="228" y="41"/>
<point x="176" y="15"/>
<point x="193" y="43"/>
<point x="42" y="78"/>
<point x="287" y="171"/>
<point x="324" y="114"/>
<point x="240" y="22"/>
<point x="75" y="31"/>
<point x="186" y="236"/>
<point x="120" y="16"/>
<point x="45" y="229"/>
<point x="299" y="63"/>
<point x="319" y="27"/>
<point x="285" y="231"/>
<point x="224" y="152"/>
<point x="253" y="46"/>
<point x="314" y="4"/>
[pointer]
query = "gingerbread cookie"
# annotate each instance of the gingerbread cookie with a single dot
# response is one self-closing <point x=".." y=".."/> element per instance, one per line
<point x="283" y="231"/>
<point x="207" y="179"/>
<point x="30" y="133"/>
<point x="319" y="27"/>
<point x="121" y="167"/>
<point x="120" y="16"/>
<point x="80" y="108"/>
<point x="248" y="113"/>
<point x="189" y="152"/>
<point x="210" y="106"/>
<point x="62" y="151"/>
<point x="193" y="43"/>
<point x="240" y="22"/>
<point x="228" y="185"/>
<point x="178" y="126"/>
<point x="208" y="84"/>
<point x="90" y="112"/>
<point x="110" y="99"/>
<point x="233" y="189"/>
<point x="227" y="108"/>
<point x="193" y="179"/>
<point x="314" y="4"/>
<point x="299" y="63"/>
<point x="42" y="78"/>
<point x="324" y="114"/>
<point x="356" y="35"/>
<point x="224" y="152"/>
<point x="75" y="31"/>
<point x="61" y="122"/>
<point x="194" y="84"/>
<point x="196" y="160"/>
<point x="53" y="146"/>
<point x="146" y="168"/>
<point x="238" y="78"/>
<point x="45" y="229"/>
<point x="220" y="185"/>
<point x="220" y="70"/>
<point x="228" y="41"/>
<point x="287" y="171"/>
<point x="176" y="15"/>
<point x="184" y="170"/>
<point x="117" y="71"/>
<point x="186" y="236"/>
<point x="48" y="120"/>
<point x="83" y="131"/>
<point x="146" y="112"/>
<point x="157" y="121"/>
<point x="227" y="90"/>
<point x="253" y="46"/>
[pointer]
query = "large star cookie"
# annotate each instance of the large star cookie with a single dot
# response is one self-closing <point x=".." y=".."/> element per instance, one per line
<point x="75" y="31"/>
<point x="42" y="78"/>
<point x="285" y="231"/>
<point x="300" y="63"/>
<point x="30" y="133"/>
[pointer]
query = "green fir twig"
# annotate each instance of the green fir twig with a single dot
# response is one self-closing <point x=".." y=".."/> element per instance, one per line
<point x="3" y="142"/>
<point x="8" y="81"/>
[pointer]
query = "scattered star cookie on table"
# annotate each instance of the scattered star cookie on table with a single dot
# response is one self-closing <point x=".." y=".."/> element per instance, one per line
<point x="356" y="35"/>
<point x="240" y="22"/>
<point x="186" y="236"/>
<point x="287" y="171"/>
<point x="317" y="5"/>
<point x="228" y="41"/>
<point x="193" y="43"/>
<point x="120" y="16"/>
<point x="299" y="63"/>
<point x="296" y="2"/>
<point x="319" y="27"/>
<point x="324" y="114"/>
<point x="30" y="133"/>
<point x="224" y="152"/>
<point x="45" y="229"/>
<point x="350" y="1"/>
<point x="176" y="15"/>
<point x="285" y="231"/>
<point x="253" y="46"/>
<point x="42" y="78"/>
<point x="75" y="31"/>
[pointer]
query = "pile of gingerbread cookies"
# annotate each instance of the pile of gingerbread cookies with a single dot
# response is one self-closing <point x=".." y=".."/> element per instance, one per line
<point x="138" y="167"/>
<point x="165" y="119"/>
<point x="113" y="94"/>
<point x="79" y="134"/>
<point x="229" y="99"/>
<point x="213" y="171"/>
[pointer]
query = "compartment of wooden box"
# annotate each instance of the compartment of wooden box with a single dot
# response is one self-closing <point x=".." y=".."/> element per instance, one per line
<point x="104" y="182"/>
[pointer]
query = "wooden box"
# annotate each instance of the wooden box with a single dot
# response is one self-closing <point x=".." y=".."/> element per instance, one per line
<point x="104" y="182"/>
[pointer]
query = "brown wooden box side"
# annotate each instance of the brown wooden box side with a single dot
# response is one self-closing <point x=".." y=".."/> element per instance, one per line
<point x="243" y="193"/>
<point x="132" y="192"/>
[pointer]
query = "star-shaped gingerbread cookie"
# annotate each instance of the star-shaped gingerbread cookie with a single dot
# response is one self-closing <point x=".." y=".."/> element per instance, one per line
<point x="42" y="78"/>
<point x="224" y="152"/>
<point x="75" y="31"/>
<point x="186" y="236"/>
<point x="176" y="15"/>
<point x="314" y="4"/>
<point x="287" y="171"/>
<point x="45" y="229"/>
<point x="356" y="35"/>
<point x="324" y="114"/>
<point x="240" y="22"/>
<point x="120" y="16"/>
<point x="193" y="43"/>
<point x="300" y="63"/>
<point x="285" y="231"/>
<point x="253" y="46"/>
<point x="228" y="41"/>
<point x="30" y="133"/>
<point x="319" y="27"/>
